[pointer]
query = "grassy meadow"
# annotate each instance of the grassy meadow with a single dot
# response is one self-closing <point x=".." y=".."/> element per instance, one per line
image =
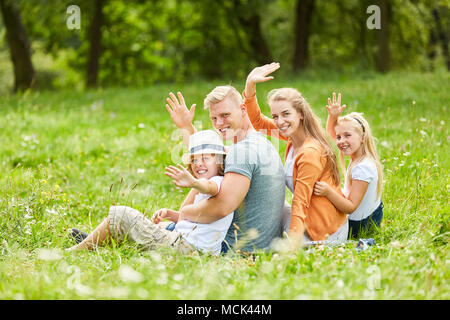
<point x="67" y="156"/>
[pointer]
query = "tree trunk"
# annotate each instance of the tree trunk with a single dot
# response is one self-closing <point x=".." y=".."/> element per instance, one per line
<point x="304" y="11"/>
<point x="384" y="59"/>
<point x="250" y="21"/>
<point x="442" y="36"/>
<point x="19" y="46"/>
<point x="95" y="38"/>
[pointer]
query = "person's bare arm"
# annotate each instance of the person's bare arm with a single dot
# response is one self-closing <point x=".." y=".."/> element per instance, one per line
<point x="232" y="192"/>
<point x="345" y="205"/>
<point x="189" y="198"/>
<point x="334" y="110"/>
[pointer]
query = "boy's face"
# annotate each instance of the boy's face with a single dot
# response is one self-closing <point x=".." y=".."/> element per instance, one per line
<point x="204" y="166"/>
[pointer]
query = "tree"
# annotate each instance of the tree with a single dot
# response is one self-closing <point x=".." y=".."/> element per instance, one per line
<point x="384" y="58"/>
<point x="95" y="38"/>
<point x="250" y="21"/>
<point x="303" y="15"/>
<point x="19" y="46"/>
<point x="442" y="36"/>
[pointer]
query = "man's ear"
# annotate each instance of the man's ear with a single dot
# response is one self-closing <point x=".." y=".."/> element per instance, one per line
<point x="244" y="109"/>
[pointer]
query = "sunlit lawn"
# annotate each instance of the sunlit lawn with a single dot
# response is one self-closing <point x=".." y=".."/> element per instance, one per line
<point x="67" y="156"/>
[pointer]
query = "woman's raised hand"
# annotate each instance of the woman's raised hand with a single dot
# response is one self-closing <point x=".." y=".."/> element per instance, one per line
<point x="181" y="177"/>
<point x="260" y="74"/>
<point x="180" y="114"/>
<point x="334" y="107"/>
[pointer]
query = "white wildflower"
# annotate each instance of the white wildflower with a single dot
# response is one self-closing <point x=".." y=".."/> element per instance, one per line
<point x="252" y="233"/>
<point x="140" y="170"/>
<point x="178" y="277"/>
<point x="163" y="278"/>
<point x="141" y="125"/>
<point x="118" y="292"/>
<point x="395" y="244"/>
<point x="142" y="293"/>
<point x="49" y="254"/>
<point x="128" y="274"/>
<point x="52" y="211"/>
<point x="83" y="290"/>
<point x="156" y="257"/>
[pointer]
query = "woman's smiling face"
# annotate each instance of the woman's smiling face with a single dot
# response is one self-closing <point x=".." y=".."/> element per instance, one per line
<point x="286" y="117"/>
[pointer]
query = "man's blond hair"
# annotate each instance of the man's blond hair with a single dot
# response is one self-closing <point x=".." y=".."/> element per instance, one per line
<point x="220" y="93"/>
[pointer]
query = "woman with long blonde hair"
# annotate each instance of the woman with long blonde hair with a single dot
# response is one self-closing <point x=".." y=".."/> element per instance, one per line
<point x="309" y="157"/>
<point x="364" y="178"/>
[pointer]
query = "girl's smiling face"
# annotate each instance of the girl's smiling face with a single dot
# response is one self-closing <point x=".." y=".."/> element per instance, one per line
<point x="348" y="140"/>
<point x="204" y="166"/>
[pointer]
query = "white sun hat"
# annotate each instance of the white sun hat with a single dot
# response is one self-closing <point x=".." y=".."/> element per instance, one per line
<point x="202" y="142"/>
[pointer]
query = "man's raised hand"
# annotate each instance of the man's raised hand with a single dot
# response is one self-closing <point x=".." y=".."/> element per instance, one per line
<point x="180" y="114"/>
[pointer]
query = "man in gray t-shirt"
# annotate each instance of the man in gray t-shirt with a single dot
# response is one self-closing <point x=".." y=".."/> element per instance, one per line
<point x="256" y="158"/>
<point x="253" y="185"/>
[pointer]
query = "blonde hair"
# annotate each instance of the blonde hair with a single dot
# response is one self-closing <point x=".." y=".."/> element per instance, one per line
<point x="361" y="126"/>
<point x="220" y="93"/>
<point x="310" y="123"/>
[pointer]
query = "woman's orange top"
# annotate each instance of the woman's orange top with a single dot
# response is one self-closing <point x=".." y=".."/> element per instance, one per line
<point x="314" y="213"/>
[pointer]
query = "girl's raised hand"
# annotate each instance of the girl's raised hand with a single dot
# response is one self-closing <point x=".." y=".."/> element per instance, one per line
<point x="180" y="114"/>
<point x="181" y="177"/>
<point x="260" y="74"/>
<point x="334" y="107"/>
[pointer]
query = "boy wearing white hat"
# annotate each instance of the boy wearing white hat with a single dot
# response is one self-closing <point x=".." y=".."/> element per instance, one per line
<point x="205" y="162"/>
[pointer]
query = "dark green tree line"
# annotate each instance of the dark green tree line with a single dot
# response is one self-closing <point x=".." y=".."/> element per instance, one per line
<point x="139" y="42"/>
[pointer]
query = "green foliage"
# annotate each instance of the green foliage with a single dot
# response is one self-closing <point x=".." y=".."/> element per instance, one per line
<point x="145" y="42"/>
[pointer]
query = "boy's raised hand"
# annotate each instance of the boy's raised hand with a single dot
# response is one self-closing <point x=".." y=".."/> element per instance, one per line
<point x="334" y="106"/>
<point x="180" y="114"/>
<point x="181" y="177"/>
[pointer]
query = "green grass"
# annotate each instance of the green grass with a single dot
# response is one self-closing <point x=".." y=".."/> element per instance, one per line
<point x="67" y="156"/>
